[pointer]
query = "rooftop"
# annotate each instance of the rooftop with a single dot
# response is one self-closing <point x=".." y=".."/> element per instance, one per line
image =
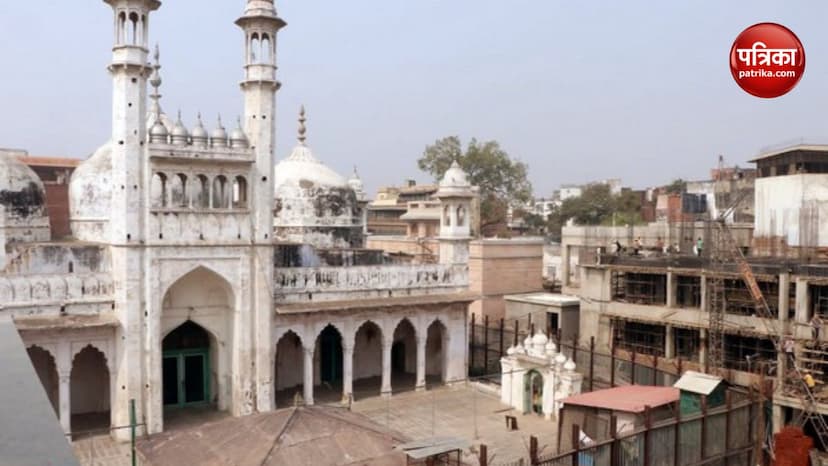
<point x="58" y="162"/>
<point x="629" y="398"/>
<point x="554" y="299"/>
<point x="696" y="382"/>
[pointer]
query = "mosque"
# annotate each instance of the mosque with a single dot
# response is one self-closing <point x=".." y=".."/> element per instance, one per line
<point x="202" y="274"/>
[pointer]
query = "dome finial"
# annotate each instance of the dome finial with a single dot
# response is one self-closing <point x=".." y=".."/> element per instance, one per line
<point x="155" y="81"/>
<point x="302" y="128"/>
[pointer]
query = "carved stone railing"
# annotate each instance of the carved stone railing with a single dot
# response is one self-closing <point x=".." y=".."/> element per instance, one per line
<point x="29" y="290"/>
<point x="369" y="278"/>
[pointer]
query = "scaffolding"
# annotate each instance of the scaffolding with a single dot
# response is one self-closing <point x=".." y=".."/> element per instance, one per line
<point x="738" y="299"/>
<point x="687" y="343"/>
<point x="638" y="337"/>
<point x="639" y="288"/>
<point x="819" y="300"/>
<point x="688" y="291"/>
<point x="745" y="353"/>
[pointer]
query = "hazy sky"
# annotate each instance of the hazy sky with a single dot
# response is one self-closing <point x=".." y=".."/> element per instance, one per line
<point x="578" y="90"/>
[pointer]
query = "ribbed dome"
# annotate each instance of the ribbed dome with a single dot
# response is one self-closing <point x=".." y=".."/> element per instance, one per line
<point x="303" y="169"/>
<point x="455" y="177"/>
<point x="90" y="195"/>
<point x="21" y="191"/>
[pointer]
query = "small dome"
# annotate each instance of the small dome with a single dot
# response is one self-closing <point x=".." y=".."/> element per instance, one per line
<point x="455" y="177"/>
<point x="199" y="134"/>
<point x="528" y="341"/>
<point x="355" y="182"/>
<point x="569" y="365"/>
<point x="539" y="339"/>
<point x="90" y="195"/>
<point x="180" y="135"/>
<point x="238" y="139"/>
<point x="550" y="347"/>
<point x="519" y="349"/>
<point x="23" y="195"/>
<point x="510" y="351"/>
<point x="560" y="358"/>
<point x="158" y="133"/>
<point x="219" y="135"/>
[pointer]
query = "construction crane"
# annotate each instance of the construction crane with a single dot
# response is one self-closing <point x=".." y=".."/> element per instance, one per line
<point x="724" y="251"/>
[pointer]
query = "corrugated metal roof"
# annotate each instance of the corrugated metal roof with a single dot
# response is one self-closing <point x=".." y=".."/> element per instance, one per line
<point x="696" y="382"/>
<point x="421" y="449"/>
<point x="629" y="398"/>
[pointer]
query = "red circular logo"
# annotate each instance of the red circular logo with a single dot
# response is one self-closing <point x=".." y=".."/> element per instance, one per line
<point x="767" y="60"/>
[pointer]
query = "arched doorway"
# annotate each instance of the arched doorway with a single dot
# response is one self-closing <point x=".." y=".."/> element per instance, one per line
<point x="289" y="371"/>
<point x="367" y="367"/>
<point x="533" y="392"/>
<point x="197" y="328"/>
<point x="186" y="366"/>
<point x="404" y="357"/>
<point x="89" y="389"/>
<point x="436" y="352"/>
<point x="328" y="364"/>
<point x="46" y="369"/>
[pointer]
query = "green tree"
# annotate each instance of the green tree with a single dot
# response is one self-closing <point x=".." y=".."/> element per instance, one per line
<point x="676" y="187"/>
<point x="502" y="180"/>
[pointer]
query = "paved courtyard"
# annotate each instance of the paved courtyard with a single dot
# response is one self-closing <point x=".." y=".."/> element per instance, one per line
<point x="459" y="411"/>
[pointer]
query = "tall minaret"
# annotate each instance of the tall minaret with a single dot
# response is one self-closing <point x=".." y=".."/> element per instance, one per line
<point x="129" y="70"/>
<point x="260" y="24"/>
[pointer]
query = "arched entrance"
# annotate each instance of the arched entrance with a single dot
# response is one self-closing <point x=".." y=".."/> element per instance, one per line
<point x="436" y="352"/>
<point x="404" y="357"/>
<point x="186" y="366"/>
<point x="89" y="389"/>
<point x="328" y="364"/>
<point x="46" y="369"/>
<point x="289" y="371"/>
<point x="533" y="392"/>
<point x="197" y="329"/>
<point x="367" y="367"/>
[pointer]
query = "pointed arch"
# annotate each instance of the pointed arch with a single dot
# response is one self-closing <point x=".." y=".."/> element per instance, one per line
<point x="289" y="371"/>
<point x="404" y="356"/>
<point x="367" y="354"/>
<point x="46" y="368"/>
<point x="328" y="358"/>
<point x="436" y="352"/>
<point x="226" y="283"/>
<point x="90" y="389"/>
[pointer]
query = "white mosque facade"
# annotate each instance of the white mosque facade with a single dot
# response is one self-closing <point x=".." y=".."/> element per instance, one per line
<point x="203" y="274"/>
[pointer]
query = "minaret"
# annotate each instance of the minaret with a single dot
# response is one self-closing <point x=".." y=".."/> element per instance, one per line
<point x="455" y="194"/>
<point x="129" y="70"/>
<point x="260" y="24"/>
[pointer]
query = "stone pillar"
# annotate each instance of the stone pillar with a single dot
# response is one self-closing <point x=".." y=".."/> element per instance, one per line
<point x="778" y="415"/>
<point x="672" y="289"/>
<point x="347" y="372"/>
<point x="421" y="363"/>
<point x="669" y="342"/>
<point x="564" y="264"/>
<point x="65" y="401"/>
<point x="386" y="367"/>
<point x="703" y="347"/>
<point x="308" y="376"/>
<point x="784" y="302"/>
<point x="703" y="293"/>
<point x="802" y="305"/>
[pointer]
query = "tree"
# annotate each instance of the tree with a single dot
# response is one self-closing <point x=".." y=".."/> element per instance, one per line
<point x="676" y="187"/>
<point x="502" y="180"/>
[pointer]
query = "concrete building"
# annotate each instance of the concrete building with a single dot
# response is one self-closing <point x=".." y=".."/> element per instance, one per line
<point x="549" y="312"/>
<point x="187" y="283"/>
<point x="659" y="304"/>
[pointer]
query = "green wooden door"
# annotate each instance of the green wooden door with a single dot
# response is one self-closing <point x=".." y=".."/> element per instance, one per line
<point x="186" y="377"/>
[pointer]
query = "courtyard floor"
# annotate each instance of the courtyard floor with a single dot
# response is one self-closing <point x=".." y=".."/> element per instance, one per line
<point x="459" y="411"/>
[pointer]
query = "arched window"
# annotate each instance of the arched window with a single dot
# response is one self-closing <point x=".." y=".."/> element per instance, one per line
<point x="158" y="190"/>
<point x="239" y="192"/>
<point x="178" y="191"/>
<point x="447" y="216"/>
<point x="221" y="196"/>
<point x="254" y="48"/>
<point x="201" y="192"/>
<point x="133" y="29"/>
<point x="461" y="216"/>
<point x="120" y="30"/>
<point x="265" y="53"/>
<point x="144" y="30"/>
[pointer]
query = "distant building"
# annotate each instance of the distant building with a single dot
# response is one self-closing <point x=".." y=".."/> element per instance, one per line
<point x="391" y="202"/>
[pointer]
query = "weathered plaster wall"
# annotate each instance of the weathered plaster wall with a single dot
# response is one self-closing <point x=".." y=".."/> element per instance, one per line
<point x="791" y="211"/>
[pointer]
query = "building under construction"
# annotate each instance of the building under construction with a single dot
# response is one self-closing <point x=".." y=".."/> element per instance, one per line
<point x="731" y="308"/>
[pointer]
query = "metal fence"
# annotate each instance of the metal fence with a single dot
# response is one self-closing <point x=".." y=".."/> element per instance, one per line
<point x="726" y="436"/>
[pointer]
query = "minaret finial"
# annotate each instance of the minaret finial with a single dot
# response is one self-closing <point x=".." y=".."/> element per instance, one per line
<point x="219" y="121"/>
<point x="302" y="128"/>
<point x="155" y="82"/>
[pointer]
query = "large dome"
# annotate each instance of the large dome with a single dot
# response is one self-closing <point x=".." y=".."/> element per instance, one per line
<point x="302" y="170"/>
<point x="24" y="201"/>
<point x="90" y="196"/>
